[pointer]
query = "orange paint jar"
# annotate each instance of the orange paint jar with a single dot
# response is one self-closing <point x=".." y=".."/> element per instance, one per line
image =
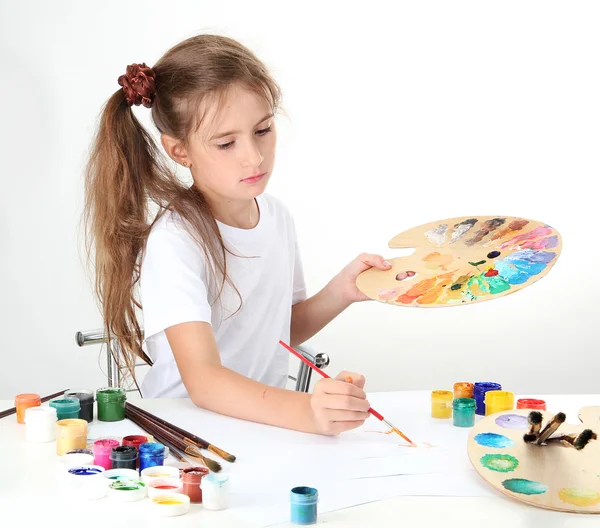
<point x="191" y="479"/>
<point x="463" y="389"/>
<point x="24" y="401"/>
<point x="71" y="434"/>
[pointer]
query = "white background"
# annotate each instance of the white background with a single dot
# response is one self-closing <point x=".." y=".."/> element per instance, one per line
<point x="397" y="114"/>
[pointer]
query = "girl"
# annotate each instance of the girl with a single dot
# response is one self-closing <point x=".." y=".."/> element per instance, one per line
<point x="218" y="269"/>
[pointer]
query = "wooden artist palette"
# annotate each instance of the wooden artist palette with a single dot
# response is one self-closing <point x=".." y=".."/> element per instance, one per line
<point x="464" y="260"/>
<point x="551" y="476"/>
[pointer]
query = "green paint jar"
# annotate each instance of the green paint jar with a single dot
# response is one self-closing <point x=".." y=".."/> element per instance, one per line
<point x="111" y="404"/>
<point x="464" y="412"/>
<point x="66" y="407"/>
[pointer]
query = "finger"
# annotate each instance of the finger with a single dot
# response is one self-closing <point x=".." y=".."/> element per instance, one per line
<point x="341" y="427"/>
<point x="337" y="415"/>
<point x="334" y="386"/>
<point x="351" y="377"/>
<point x="343" y="403"/>
<point x="375" y="261"/>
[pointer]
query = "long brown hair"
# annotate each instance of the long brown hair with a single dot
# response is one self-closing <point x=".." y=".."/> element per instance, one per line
<point x="127" y="173"/>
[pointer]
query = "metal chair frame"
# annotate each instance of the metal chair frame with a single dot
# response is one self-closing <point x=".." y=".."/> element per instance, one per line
<point x="113" y="374"/>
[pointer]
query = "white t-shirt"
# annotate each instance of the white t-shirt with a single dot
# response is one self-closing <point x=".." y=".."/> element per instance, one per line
<point x="176" y="287"/>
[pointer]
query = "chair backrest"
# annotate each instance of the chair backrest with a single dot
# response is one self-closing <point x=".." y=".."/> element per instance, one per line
<point x="113" y="373"/>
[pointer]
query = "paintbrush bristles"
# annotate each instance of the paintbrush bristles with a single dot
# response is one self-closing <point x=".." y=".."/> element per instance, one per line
<point x="535" y="423"/>
<point x="584" y="438"/>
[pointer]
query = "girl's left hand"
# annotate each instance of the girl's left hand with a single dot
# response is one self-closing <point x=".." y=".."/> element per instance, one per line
<point x="345" y="281"/>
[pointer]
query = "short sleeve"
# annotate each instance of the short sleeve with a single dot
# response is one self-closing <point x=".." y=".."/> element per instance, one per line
<point x="299" y="289"/>
<point x="173" y="286"/>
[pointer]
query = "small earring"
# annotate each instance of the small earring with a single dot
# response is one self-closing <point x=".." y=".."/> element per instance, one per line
<point x="184" y="163"/>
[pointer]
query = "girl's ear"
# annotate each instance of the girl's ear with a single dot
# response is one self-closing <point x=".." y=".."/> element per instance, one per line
<point x="174" y="149"/>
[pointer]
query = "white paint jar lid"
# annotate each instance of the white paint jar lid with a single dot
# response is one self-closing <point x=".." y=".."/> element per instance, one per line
<point x="174" y="486"/>
<point x="170" y="504"/>
<point x="127" y="490"/>
<point x="121" y="473"/>
<point x="155" y="472"/>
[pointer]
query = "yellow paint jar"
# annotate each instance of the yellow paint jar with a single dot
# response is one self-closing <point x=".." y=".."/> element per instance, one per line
<point x="498" y="401"/>
<point x="441" y="404"/>
<point x="71" y="434"/>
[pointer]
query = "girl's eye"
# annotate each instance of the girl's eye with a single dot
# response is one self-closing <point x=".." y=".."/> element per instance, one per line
<point x="225" y="146"/>
<point x="263" y="131"/>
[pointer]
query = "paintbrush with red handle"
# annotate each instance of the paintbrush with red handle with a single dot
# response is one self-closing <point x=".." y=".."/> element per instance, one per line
<point x="371" y="410"/>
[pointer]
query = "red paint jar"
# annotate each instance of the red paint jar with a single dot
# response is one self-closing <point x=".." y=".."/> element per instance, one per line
<point x="135" y="441"/>
<point x="191" y="482"/>
<point x="530" y="403"/>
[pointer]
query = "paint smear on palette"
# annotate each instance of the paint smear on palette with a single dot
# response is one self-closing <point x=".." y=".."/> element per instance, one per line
<point x="436" y="260"/>
<point x="526" y="239"/>
<point x="501" y="463"/>
<point x="494" y="440"/>
<point x="579" y="496"/>
<point x="462" y="228"/>
<point x="519" y="267"/>
<point x="513" y="227"/>
<point x="524" y="486"/>
<point x="512" y="421"/>
<point x="437" y="235"/>
<point x="488" y="227"/>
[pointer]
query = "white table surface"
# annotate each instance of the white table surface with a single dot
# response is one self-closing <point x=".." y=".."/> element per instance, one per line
<point x="31" y="493"/>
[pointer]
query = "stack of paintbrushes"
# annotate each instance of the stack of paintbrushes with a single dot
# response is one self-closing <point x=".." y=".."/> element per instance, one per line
<point x="181" y="443"/>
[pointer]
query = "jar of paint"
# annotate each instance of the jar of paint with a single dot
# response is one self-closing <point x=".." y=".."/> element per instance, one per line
<point x="498" y="401"/>
<point x="111" y="404"/>
<point x="152" y="473"/>
<point x="70" y="434"/>
<point x="215" y="491"/>
<point x="66" y="407"/>
<point x="135" y="441"/>
<point x="40" y="424"/>
<point x="191" y="479"/>
<point x="304" y="505"/>
<point x="124" y="457"/>
<point x="102" y="449"/>
<point x="121" y="474"/>
<point x="170" y="504"/>
<point x="74" y="459"/>
<point x="531" y="403"/>
<point x="127" y="490"/>
<point x="151" y="454"/>
<point x="164" y="485"/>
<point x="463" y="389"/>
<point x="441" y="404"/>
<point x="25" y="401"/>
<point x="86" y="402"/>
<point x="464" y="412"/>
<point x="87" y="482"/>
<point x="479" y="390"/>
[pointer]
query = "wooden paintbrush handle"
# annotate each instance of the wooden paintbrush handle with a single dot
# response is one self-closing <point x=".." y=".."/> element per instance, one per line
<point x="219" y="452"/>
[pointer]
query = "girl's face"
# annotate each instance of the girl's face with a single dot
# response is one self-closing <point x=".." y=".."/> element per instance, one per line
<point x="233" y="152"/>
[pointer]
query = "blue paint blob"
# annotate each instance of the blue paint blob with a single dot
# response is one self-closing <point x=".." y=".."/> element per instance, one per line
<point x="524" y="486"/>
<point x="304" y="505"/>
<point x="512" y="421"/>
<point x="84" y="471"/>
<point x="494" y="440"/>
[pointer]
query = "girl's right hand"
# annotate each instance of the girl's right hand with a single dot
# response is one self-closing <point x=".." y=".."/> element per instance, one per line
<point x="339" y="404"/>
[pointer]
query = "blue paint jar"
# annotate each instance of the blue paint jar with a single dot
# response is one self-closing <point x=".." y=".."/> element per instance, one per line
<point x="464" y="412"/>
<point x="151" y="454"/>
<point x="304" y="505"/>
<point x="479" y="390"/>
<point x="66" y="407"/>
